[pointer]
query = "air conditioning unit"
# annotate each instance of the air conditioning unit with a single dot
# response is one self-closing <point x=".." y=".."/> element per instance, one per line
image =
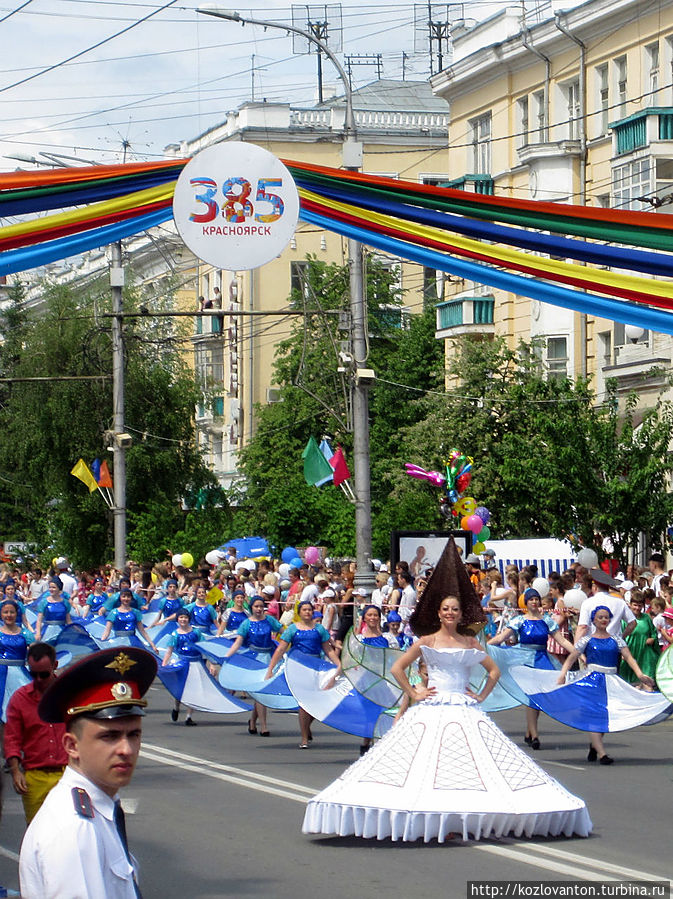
<point x="273" y="394"/>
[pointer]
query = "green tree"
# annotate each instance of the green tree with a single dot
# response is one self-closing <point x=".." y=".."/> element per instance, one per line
<point x="548" y="460"/>
<point x="47" y="426"/>
<point x="274" y="499"/>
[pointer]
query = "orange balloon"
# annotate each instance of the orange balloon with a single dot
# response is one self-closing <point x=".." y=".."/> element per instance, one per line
<point x="463" y="522"/>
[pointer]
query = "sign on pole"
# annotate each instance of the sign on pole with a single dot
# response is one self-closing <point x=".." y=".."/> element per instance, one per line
<point x="236" y="206"/>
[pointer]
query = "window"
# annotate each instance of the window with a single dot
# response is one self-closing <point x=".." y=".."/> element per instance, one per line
<point x="539" y="117"/>
<point x="602" y="98"/>
<point x="620" y="338"/>
<point x="571" y="94"/>
<point x="652" y="73"/>
<point x="667" y="67"/>
<point x="298" y="283"/>
<point x="620" y="86"/>
<point x="522" y="123"/>
<point x="481" y="144"/>
<point x="631" y="181"/>
<point x="557" y="358"/>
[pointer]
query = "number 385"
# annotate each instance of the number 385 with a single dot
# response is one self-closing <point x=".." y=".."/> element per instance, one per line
<point x="237" y="205"/>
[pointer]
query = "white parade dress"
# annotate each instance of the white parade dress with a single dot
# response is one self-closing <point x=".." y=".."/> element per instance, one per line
<point x="446" y="767"/>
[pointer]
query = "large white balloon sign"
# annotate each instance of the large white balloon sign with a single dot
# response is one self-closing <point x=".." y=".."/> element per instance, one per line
<point x="236" y="206"/>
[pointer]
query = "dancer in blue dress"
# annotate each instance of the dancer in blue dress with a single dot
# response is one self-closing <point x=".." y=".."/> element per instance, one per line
<point x="53" y="613"/>
<point x="255" y="633"/>
<point x="14" y="640"/>
<point x="182" y="642"/>
<point x="599" y="697"/>
<point x="202" y="615"/>
<point x="169" y="605"/>
<point x="533" y="630"/>
<point x="233" y="617"/>
<point x="310" y="637"/>
<point x="187" y="678"/>
<point x="95" y="601"/>
<point x="11" y="593"/>
<point x="126" y="621"/>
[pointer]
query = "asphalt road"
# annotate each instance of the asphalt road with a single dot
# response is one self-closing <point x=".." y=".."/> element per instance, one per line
<point x="215" y="812"/>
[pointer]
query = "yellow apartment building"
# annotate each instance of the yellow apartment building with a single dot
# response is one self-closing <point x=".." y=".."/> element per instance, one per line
<point x="572" y="106"/>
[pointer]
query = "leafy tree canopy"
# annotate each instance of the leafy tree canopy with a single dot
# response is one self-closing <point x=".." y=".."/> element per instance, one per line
<point x="46" y="426"/>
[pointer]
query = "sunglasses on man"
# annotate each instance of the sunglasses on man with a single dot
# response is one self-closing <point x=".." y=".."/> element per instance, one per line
<point x="40" y="675"/>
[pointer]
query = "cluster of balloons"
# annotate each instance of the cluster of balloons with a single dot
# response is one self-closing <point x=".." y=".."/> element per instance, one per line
<point x="453" y="504"/>
<point x="186" y="560"/>
<point x="292" y="558"/>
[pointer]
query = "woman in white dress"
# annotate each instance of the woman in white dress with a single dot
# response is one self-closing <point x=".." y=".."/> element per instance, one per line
<point x="445" y="767"/>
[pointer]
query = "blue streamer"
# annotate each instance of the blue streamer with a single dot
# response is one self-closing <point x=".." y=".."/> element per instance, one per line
<point x="596" y="254"/>
<point x="24" y="258"/>
<point x="617" y="310"/>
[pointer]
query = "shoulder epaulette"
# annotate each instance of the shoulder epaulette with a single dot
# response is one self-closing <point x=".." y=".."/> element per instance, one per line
<point x="82" y="802"/>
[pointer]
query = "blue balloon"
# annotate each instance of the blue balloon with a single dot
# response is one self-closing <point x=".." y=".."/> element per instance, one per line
<point x="288" y="554"/>
<point x="296" y="562"/>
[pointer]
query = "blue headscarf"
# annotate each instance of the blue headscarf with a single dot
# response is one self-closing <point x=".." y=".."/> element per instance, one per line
<point x="599" y="609"/>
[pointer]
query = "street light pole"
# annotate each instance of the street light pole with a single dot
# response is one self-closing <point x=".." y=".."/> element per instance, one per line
<point x="352" y="161"/>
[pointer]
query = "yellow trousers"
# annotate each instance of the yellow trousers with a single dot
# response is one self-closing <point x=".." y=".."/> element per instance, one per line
<point x="39" y="783"/>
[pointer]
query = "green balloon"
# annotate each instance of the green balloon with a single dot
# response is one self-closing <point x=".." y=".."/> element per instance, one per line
<point x="484" y="534"/>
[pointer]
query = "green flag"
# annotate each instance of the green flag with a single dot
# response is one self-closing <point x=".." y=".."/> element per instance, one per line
<point x="316" y="466"/>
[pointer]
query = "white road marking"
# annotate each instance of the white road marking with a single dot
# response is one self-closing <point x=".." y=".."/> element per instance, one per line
<point x="565" y="765"/>
<point x="7" y="853"/>
<point x="244" y="780"/>
<point x="229" y="769"/>
<point x="526" y="857"/>
<point x="574" y="857"/>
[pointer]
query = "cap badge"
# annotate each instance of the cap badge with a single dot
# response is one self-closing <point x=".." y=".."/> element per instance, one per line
<point x="121" y="691"/>
<point x="121" y="663"/>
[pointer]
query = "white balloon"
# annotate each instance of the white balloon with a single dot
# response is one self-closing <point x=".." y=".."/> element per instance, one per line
<point x="283" y="569"/>
<point x="587" y="558"/>
<point x="213" y="557"/>
<point x="541" y="584"/>
<point x="177" y="559"/>
<point x="248" y="564"/>
<point x="573" y="599"/>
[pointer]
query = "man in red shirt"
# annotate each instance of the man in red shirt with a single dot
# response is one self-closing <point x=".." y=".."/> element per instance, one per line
<point x="34" y="749"/>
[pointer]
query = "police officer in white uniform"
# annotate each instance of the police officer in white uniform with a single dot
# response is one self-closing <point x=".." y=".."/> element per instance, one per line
<point x="76" y="847"/>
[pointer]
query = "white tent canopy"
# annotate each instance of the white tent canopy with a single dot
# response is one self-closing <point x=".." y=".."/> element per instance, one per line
<point x="548" y="554"/>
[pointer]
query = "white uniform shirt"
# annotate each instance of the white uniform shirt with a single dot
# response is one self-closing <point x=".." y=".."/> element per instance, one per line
<point x="407" y="603"/>
<point x="65" y="855"/>
<point x="620" y="612"/>
<point x="69" y="584"/>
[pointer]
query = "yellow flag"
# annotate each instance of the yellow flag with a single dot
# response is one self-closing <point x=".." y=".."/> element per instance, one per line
<point x="214" y="595"/>
<point x="82" y="471"/>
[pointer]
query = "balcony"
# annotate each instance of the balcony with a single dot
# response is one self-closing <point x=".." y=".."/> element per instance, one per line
<point x="476" y="184"/>
<point x="465" y="315"/>
<point x="641" y="129"/>
<point x="638" y="367"/>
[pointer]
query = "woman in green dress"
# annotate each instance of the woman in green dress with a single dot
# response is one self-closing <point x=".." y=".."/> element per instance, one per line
<point x="642" y="641"/>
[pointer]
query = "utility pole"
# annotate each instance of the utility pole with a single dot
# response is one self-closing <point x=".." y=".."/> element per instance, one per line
<point x="118" y="440"/>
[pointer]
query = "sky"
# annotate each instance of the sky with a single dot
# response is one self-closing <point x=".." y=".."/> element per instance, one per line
<point x="104" y="80"/>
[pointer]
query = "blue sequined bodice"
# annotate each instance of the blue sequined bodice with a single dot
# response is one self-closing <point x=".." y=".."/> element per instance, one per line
<point x="259" y="634"/>
<point x="602" y="652"/>
<point x="309" y="642"/>
<point x="125" y="622"/>
<point x="533" y="632"/>
<point x="55" y="612"/>
<point x="201" y="616"/>
<point x="235" y="620"/>
<point x="13" y="646"/>
<point x="185" y="645"/>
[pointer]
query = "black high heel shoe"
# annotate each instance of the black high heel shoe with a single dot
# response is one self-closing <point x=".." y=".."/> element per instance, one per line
<point x="251" y="729"/>
<point x="592" y="755"/>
